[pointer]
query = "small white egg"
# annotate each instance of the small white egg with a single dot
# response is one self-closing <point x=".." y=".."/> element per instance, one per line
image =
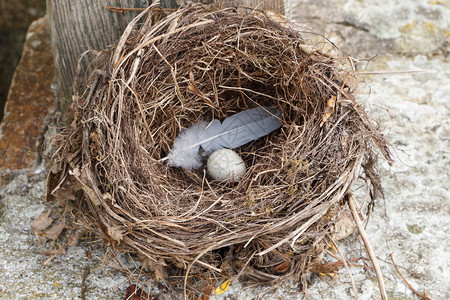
<point x="225" y="164"/>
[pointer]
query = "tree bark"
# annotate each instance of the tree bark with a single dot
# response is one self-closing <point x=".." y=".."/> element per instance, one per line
<point x="77" y="26"/>
<point x="81" y="25"/>
<point x="276" y="5"/>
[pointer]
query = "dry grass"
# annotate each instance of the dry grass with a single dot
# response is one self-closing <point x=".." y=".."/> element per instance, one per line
<point x="198" y="64"/>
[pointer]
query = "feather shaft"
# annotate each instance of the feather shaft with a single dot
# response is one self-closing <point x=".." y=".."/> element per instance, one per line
<point x="235" y="131"/>
<point x="240" y="128"/>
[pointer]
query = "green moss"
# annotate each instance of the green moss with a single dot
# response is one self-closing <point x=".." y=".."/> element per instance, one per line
<point x="414" y="228"/>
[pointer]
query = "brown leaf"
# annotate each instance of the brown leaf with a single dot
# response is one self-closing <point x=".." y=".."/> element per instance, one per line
<point x="81" y="179"/>
<point x="116" y="233"/>
<point x="91" y="191"/>
<point x="193" y="88"/>
<point x="145" y="261"/>
<point x="207" y="293"/>
<point x="344" y="227"/>
<point x="72" y="240"/>
<point x="56" y="230"/>
<point x="160" y="272"/>
<point x="133" y="292"/>
<point x="66" y="193"/>
<point x="204" y="297"/>
<point x="41" y="240"/>
<point x="52" y="182"/>
<point x="42" y="222"/>
<point x="158" y="268"/>
<point x="329" y="110"/>
<point x="283" y="266"/>
<point x="326" y="268"/>
<point x="54" y="251"/>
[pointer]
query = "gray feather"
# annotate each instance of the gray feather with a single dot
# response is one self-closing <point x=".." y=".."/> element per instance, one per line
<point x="241" y="128"/>
<point x="233" y="132"/>
<point x="183" y="153"/>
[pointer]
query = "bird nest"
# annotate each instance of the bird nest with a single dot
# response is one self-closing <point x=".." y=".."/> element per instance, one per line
<point x="196" y="64"/>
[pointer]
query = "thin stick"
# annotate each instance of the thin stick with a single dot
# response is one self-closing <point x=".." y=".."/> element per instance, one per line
<point x="423" y="296"/>
<point x="122" y="9"/>
<point x="243" y="268"/>
<point x="344" y="261"/>
<point x="339" y="263"/>
<point x="373" y="257"/>
<point x="83" y="283"/>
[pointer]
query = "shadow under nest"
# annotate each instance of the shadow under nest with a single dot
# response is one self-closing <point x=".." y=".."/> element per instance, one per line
<point x="195" y="65"/>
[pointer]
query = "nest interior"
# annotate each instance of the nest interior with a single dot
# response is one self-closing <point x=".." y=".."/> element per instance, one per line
<point x="197" y="64"/>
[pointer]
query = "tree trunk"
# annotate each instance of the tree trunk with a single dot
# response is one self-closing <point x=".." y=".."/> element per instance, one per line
<point x="77" y="26"/>
<point x="81" y="25"/>
<point x="276" y="5"/>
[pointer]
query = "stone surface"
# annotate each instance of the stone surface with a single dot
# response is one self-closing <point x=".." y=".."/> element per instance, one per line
<point x="15" y="17"/>
<point x="25" y="273"/>
<point x="412" y="222"/>
<point x="30" y="100"/>
<point x="370" y="28"/>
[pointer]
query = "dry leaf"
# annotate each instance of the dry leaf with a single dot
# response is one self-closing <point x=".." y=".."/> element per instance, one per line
<point x="145" y="261"/>
<point x="160" y="271"/>
<point x="66" y="193"/>
<point x="72" y="240"/>
<point x="329" y="110"/>
<point x="42" y="222"/>
<point x="52" y="182"/>
<point x="344" y="226"/>
<point x="116" y="233"/>
<point x="74" y="122"/>
<point x="207" y="293"/>
<point x="191" y="86"/>
<point x="133" y="292"/>
<point x="56" y="230"/>
<point x="326" y="268"/>
<point x="223" y="287"/>
<point x="54" y="251"/>
<point x="283" y="266"/>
